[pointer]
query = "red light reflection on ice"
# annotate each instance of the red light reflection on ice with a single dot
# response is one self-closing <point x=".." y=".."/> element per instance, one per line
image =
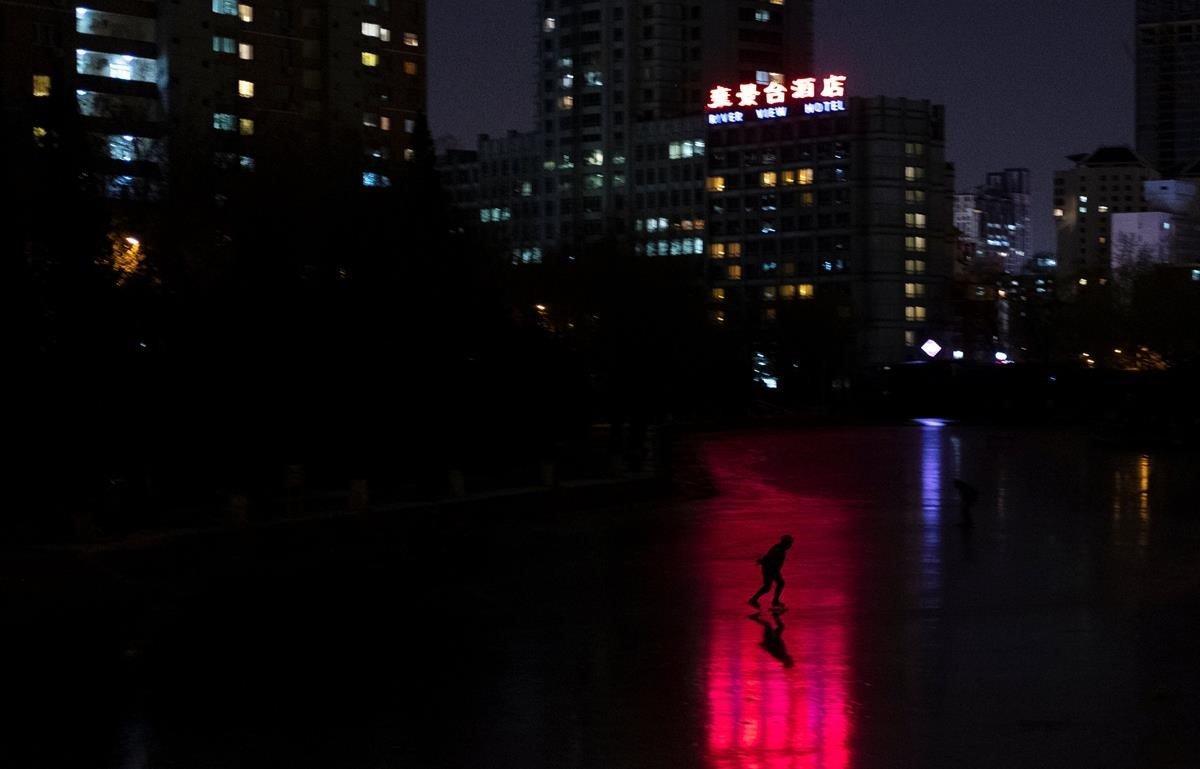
<point x="776" y="687"/>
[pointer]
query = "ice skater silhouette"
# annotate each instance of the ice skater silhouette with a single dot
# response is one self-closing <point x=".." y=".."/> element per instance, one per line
<point x="967" y="496"/>
<point x="772" y="564"/>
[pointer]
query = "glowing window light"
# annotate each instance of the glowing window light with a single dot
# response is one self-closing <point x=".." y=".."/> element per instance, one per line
<point x="370" y="59"/>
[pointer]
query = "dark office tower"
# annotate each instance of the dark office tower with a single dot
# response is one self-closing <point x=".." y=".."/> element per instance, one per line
<point x="1001" y="222"/>
<point x="606" y="65"/>
<point x="1168" y="83"/>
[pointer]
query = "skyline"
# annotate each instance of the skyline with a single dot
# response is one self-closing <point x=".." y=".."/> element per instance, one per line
<point x="1075" y="91"/>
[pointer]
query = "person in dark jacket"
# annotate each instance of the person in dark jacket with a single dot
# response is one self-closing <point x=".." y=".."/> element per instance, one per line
<point x="772" y="566"/>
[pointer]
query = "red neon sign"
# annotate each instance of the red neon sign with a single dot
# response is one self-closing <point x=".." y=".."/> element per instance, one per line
<point x="752" y="95"/>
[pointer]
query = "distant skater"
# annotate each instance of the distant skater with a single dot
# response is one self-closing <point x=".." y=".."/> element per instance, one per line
<point x="967" y="495"/>
<point x="772" y="565"/>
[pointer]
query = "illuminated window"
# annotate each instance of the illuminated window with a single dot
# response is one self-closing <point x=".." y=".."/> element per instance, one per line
<point x="370" y="29"/>
<point x="223" y="44"/>
<point x="804" y="176"/>
<point x="913" y="173"/>
<point x="914" y="149"/>
<point x="246" y="89"/>
<point x="372" y="179"/>
<point x="370" y="59"/>
<point x="385" y="34"/>
<point x="915" y="221"/>
<point x="225" y="7"/>
<point x="805" y="291"/>
<point x="1102" y="209"/>
<point x="807" y="199"/>
<point x="787" y="292"/>
<point x="718" y="294"/>
<point x="914" y="290"/>
<point x="549" y="24"/>
<point x="411" y="40"/>
<point x="41" y="85"/>
<point x="733" y="272"/>
<point x="245" y="51"/>
<point x="105" y="24"/>
<point x="716" y="250"/>
<point x="734" y="250"/>
<point x="914" y="266"/>
<point x="1059" y="213"/>
<point x="245" y="12"/>
<point x="39" y="133"/>
<point x="129" y="148"/>
<point x="914" y="313"/>
<point x="409" y="153"/>
<point x="245" y="126"/>
<point x="716" y="184"/>
<point x="118" y="66"/>
<point x="385" y="123"/>
<point x="370" y="119"/>
<point x="789" y="178"/>
<point x="410" y="68"/>
<point x="566" y="102"/>
<point x="914" y="196"/>
<point x="763" y="16"/>
<point x="914" y="243"/>
<point x="246" y="162"/>
<point x="910" y="338"/>
<point x="768" y="179"/>
<point x="223" y="121"/>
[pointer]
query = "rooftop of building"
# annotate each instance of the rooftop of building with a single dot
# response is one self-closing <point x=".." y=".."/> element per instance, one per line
<point x="1110" y="156"/>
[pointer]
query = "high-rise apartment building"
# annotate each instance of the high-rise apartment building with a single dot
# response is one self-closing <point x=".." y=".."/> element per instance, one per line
<point x="607" y="65"/>
<point x="1105" y="182"/>
<point x="1168" y="83"/>
<point x="166" y="89"/>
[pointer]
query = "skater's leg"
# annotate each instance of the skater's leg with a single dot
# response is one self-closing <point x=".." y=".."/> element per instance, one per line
<point x="778" y="590"/>
<point x="766" y="588"/>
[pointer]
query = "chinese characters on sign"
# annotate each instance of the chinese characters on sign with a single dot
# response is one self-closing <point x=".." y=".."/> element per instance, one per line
<point x="770" y="100"/>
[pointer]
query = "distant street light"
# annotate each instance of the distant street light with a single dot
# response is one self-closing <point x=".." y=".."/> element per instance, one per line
<point x="959" y="355"/>
<point x="931" y="348"/>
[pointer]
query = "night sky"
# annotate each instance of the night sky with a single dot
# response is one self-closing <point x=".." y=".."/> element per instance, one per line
<point x="1025" y="82"/>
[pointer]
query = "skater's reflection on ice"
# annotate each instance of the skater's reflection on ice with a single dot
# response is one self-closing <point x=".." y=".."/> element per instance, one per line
<point x="772" y="640"/>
